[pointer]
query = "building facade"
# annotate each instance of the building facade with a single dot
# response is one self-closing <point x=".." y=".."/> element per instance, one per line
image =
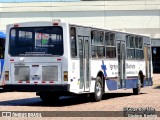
<point x="138" y="16"/>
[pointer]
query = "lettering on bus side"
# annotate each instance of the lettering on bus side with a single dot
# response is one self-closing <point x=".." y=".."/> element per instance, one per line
<point x="130" y="66"/>
<point x="113" y="66"/>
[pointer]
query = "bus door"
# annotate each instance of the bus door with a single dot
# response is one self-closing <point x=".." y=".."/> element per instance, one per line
<point x="83" y="43"/>
<point x="147" y="57"/>
<point x="121" y="64"/>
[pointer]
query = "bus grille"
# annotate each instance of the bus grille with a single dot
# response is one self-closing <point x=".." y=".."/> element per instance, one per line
<point x="50" y="73"/>
<point x="21" y="73"/>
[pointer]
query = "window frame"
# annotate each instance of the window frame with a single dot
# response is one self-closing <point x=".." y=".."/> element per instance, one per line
<point x="110" y="45"/>
<point x="15" y="32"/>
<point x="137" y="48"/>
<point x="129" y="47"/>
<point x="76" y="46"/>
<point x="140" y="48"/>
<point x="93" y="44"/>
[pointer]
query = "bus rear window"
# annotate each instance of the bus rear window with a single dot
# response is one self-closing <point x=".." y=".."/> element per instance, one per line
<point x="36" y="41"/>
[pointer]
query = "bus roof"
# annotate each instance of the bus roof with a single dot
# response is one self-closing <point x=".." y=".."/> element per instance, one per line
<point x="92" y="27"/>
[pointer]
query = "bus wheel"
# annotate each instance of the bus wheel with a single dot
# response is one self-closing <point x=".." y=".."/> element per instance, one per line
<point x="136" y="91"/>
<point x="98" y="92"/>
<point x="48" y="97"/>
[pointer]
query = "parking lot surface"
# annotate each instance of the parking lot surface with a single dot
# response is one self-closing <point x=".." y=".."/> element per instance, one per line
<point x="114" y="101"/>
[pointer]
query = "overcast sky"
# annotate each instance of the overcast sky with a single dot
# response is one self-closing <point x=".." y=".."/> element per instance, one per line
<point x="33" y="0"/>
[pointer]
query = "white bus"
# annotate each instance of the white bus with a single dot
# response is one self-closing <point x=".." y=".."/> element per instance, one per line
<point x="57" y="58"/>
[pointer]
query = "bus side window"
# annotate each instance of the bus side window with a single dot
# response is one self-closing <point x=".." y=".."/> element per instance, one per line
<point x="97" y="38"/>
<point x="97" y="51"/>
<point x="110" y="48"/>
<point x="73" y="42"/>
<point x="130" y="44"/>
<point x="1" y="53"/>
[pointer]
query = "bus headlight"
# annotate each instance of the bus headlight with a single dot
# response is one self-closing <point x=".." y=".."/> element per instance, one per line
<point x="65" y="75"/>
<point x="7" y="75"/>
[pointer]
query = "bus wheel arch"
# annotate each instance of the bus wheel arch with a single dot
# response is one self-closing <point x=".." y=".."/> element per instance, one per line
<point x="141" y="77"/>
<point x="136" y="91"/>
<point x="101" y="75"/>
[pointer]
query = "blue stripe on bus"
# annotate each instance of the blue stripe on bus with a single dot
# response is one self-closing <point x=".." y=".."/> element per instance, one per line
<point x="2" y="64"/>
<point x="131" y="83"/>
<point x="148" y="82"/>
<point x="111" y="84"/>
<point x="145" y="83"/>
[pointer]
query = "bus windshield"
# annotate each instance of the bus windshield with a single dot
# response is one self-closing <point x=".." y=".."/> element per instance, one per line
<point x="36" y="41"/>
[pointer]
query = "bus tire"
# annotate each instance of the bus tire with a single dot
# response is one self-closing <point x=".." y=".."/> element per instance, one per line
<point x="136" y="91"/>
<point x="98" y="90"/>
